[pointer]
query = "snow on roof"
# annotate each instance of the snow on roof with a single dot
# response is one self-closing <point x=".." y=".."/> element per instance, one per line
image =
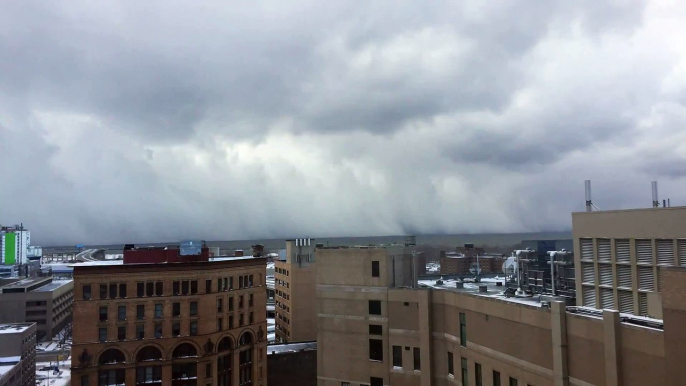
<point x="290" y="347"/>
<point x="14" y="328"/>
<point x="10" y="360"/>
<point x="53" y="286"/>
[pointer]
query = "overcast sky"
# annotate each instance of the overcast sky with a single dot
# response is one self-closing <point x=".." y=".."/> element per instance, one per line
<point x="135" y="121"/>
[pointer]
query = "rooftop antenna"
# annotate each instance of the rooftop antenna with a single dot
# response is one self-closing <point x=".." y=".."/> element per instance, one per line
<point x="656" y="201"/>
<point x="589" y="203"/>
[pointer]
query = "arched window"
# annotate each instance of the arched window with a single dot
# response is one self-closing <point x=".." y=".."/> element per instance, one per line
<point x="149" y="353"/>
<point x="225" y="344"/>
<point x="111" y="356"/>
<point x="184" y="350"/>
<point x="245" y="339"/>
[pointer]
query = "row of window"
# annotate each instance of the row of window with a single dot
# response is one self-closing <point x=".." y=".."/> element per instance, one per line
<point x="156" y="288"/>
<point x="282" y="283"/>
<point x="283" y="294"/>
<point x="103" y="313"/>
<point x="478" y="376"/>
<point x="281" y="271"/>
<point x="140" y="331"/>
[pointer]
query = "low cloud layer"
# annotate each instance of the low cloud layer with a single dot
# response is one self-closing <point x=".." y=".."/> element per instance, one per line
<point x="157" y="121"/>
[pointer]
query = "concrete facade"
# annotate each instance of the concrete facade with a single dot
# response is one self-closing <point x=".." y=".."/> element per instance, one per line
<point x="372" y="332"/>
<point x="41" y="300"/>
<point x="18" y="354"/>
<point x="620" y="256"/>
<point x="185" y="323"/>
<point x="294" y="290"/>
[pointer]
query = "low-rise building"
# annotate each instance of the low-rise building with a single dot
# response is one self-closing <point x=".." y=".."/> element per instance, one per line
<point x="42" y="300"/>
<point x="292" y="364"/>
<point x="18" y="354"/>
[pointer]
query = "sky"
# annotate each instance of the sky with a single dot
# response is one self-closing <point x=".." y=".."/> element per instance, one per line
<point x="130" y="121"/>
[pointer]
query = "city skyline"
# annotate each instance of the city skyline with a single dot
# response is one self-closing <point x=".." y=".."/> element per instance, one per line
<point x="162" y="121"/>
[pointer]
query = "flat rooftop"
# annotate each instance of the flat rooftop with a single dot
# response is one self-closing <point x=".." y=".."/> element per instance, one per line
<point x="283" y="348"/>
<point x="121" y="262"/>
<point x="493" y="291"/>
<point x="14" y="328"/>
<point x="24" y="283"/>
<point x="53" y="286"/>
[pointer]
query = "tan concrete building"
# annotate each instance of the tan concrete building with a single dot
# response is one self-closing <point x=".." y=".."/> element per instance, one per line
<point x="41" y="300"/>
<point x="620" y="256"/>
<point x="376" y="328"/>
<point x="294" y="290"/>
<point x="18" y="354"/>
<point x="181" y="321"/>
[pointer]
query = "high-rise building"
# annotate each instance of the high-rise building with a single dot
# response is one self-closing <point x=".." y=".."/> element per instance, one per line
<point x="621" y="254"/>
<point x="376" y="326"/>
<point x="18" y="354"/>
<point x="294" y="292"/>
<point x="14" y="243"/>
<point x="171" y="317"/>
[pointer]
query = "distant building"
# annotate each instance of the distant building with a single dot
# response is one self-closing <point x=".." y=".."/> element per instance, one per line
<point x="457" y="263"/>
<point x="170" y="316"/>
<point x="14" y="245"/>
<point x="18" y="354"/>
<point x="41" y="300"/>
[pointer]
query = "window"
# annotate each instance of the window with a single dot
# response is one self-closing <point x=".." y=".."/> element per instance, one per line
<point x="374" y="381"/>
<point x="102" y="334"/>
<point x="230" y="322"/>
<point x="496" y="378"/>
<point x="220" y="305"/>
<point x="176" y="309"/>
<point x="208" y="370"/>
<point x="121" y="312"/>
<point x="121" y="333"/>
<point x="465" y="376"/>
<point x="397" y="356"/>
<point x="184" y="287"/>
<point x="140" y="312"/>
<point x="250" y="281"/>
<point x="84" y="378"/>
<point x="220" y="323"/>
<point x="375" y="269"/>
<point x="240" y="320"/>
<point x="103" y="314"/>
<point x="240" y="301"/>
<point x="374" y="307"/>
<point x="230" y="283"/>
<point x="375" y="329"/>
<point x="87" y="292"/>
<point x="122" y="290"/>
<point x="416" y="359"/>
<point x="194" y="308"/>
<point x="175" y="288"/>
<point x="463" y="330"/>
<point x="376" y="350"/>
<point x="194" y="287"/>
<point x="208" y="286"/>
<point x="113" y="291"/>
<point x="477" y="374"/>
<point x="231" y="303"/>
<point x="159" y="288"/>
<point x="158" y="330"/>
<point x="103" y="291"/>
<point x="111" y="377"/>
<point x="345" y="383"/>
<point x="451" y="369"/>
<point x="250" y="300"/>
<point x="158" y="310"/>
<point x="150" y="374"/>
<point x="513" y="381"/>
<point x="140" y="290"/>
<point x="194" y="327"/>
<point x="250" y="318"/>
<point x="240" y="282"/>
<point x="140" y="331"/>
<point x="149" y="289"/>
<point x="220" y="287"/>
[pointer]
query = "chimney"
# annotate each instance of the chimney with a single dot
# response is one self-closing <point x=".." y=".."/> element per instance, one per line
<point x="656" y="201"/>
<point x="589" y="203"/>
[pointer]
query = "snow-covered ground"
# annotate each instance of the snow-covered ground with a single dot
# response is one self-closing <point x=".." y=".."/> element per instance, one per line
<point x="46" y="375"/>
<point x="117" y="256"/>
<point x="433" y="267"/>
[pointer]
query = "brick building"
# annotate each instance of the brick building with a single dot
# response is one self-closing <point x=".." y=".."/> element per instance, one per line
<point x="292" y="364"/>
<point x="18" y="354"/>
<point x="164" y="317"/>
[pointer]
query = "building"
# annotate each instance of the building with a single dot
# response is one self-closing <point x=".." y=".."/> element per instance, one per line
<point x="376" y="327"/>
<point x="294" y="276"/>
<point x="14" y="244"/>
<point x="621" y="255"/>
<point x="456" y="263"/>
<point x="18" y="354"/>
<point x="41" y="300"/>
<point x="170" y="316"/>
<point x="292" y="364"/>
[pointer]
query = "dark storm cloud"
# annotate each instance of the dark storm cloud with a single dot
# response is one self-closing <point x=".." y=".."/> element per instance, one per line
<point x="131" y="121"/>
